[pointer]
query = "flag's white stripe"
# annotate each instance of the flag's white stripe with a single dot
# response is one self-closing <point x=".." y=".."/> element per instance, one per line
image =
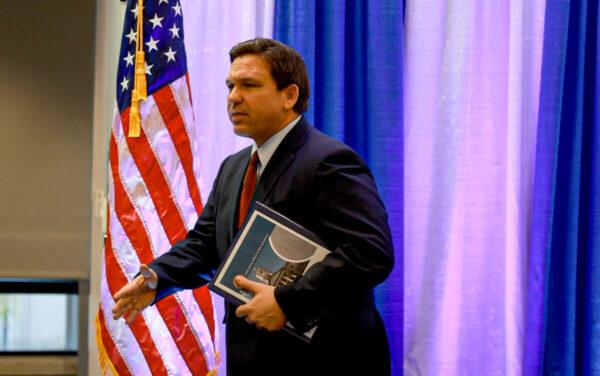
<point x="130" y="264"/>
<point x="216" y="315"/>
<point x="168" y="160"/>
<point x="183" y="101"/>
<point x="138" y="194"/>
<point x="217" y="334"/>
<point x="123" y="338"/>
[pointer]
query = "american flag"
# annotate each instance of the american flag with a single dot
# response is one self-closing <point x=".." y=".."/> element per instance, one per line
<point x="153" y="200"/>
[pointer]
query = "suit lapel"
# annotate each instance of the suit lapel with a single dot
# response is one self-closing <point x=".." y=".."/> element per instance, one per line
<point x="280" y="160"/>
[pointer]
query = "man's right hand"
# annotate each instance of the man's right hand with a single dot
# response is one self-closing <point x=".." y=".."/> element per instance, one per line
<point x="136" y="295"/>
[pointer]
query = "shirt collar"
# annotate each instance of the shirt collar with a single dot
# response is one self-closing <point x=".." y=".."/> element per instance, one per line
<point x="266" y="151"/>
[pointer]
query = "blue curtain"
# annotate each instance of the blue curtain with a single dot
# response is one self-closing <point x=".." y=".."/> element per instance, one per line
<point x="563" y="318"/>
<point x="353" y="51"/>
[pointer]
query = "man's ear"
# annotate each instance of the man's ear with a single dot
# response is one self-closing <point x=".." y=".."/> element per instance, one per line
<point x="291" y="96"/>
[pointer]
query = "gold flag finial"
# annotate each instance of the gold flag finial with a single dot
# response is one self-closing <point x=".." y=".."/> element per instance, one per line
<point x="139" y="92"/>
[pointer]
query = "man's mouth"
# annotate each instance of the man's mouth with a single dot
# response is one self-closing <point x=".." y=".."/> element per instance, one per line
<point x="237" y="114"/>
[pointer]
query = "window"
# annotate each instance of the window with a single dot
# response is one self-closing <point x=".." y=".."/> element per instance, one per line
<point x="38" y="316"/>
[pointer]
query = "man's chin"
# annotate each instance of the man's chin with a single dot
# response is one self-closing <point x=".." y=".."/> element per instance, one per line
<point x="240" y="130"/>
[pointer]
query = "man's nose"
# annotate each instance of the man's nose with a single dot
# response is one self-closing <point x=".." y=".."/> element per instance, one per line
<point x="234" y="96"/>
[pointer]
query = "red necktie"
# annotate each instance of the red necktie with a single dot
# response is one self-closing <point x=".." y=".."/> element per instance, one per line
<point x="248" y="188"/>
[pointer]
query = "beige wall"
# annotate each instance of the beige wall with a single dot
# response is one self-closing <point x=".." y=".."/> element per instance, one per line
<point x="46" y="92"/>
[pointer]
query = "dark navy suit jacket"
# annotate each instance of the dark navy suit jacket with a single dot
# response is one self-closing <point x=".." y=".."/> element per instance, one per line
<point x="326" y="187"/>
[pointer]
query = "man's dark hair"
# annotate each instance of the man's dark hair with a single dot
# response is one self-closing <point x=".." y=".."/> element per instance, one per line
<point x="287" y="66"/>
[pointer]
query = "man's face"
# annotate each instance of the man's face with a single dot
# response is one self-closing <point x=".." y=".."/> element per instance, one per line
<point x="256" y="108"/>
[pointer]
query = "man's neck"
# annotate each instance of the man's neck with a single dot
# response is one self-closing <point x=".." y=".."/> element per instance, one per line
<point x="287" y="120"/>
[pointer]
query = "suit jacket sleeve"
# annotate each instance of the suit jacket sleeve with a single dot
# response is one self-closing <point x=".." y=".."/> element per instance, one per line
<point x="192" y="261"/>
<point x="351" y="218"/>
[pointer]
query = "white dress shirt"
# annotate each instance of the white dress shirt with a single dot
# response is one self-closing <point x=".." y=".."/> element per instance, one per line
<point x="266" y="151"/>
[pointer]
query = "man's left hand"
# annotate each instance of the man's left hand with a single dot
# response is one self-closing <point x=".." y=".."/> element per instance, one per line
<point x="262" y="310"/>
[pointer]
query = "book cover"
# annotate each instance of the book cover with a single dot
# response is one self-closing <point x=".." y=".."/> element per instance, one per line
<point x="269" y="249"/>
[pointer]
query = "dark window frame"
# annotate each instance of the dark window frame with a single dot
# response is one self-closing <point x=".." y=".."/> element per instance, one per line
<point x="38" y="286"/>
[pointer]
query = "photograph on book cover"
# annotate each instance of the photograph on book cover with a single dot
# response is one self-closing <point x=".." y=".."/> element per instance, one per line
<point x="268" y="252"/>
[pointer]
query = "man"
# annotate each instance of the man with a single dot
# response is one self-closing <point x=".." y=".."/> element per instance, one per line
<point x="317" y="182"/>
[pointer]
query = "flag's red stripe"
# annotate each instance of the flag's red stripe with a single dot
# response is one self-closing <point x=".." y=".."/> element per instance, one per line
<point x="183" y="334"/>
<point x="204" y="300"/>
<point x="155" y="181"/>
<point x="169" y="307"/>
<point x="116" y="279"/>
<point x="173" y="120"/>
<point x="111" y="350"/>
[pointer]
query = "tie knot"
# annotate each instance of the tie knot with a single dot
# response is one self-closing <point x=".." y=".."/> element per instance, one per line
<point x="254" y="159"/>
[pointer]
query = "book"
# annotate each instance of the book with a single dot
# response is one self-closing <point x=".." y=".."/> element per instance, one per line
<point x="271" y="249"/>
